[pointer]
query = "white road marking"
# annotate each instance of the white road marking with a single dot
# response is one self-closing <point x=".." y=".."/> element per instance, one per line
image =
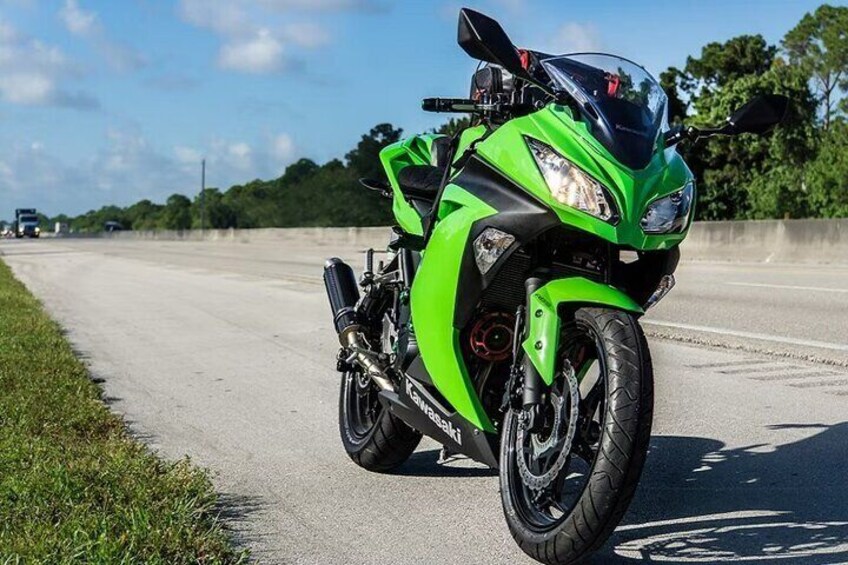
<point x="751" y="335"/>
<point x="790" y="287"/>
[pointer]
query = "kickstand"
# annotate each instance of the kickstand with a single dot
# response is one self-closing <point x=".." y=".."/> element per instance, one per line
<point x="446" y="455"/>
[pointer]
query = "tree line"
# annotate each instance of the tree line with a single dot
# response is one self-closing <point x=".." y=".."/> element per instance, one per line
<point x="800" y="171"/>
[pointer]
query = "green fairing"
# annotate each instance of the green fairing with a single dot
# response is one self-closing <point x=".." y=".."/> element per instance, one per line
<point x="467" y="138"/>
<point x="416" y="151"/>
<point x="412" y="151"/>
<point x="543" y="336"/>
<point x="506" y="149"/>
<point x="433" y="299"/>
<point x="433" y="293"/>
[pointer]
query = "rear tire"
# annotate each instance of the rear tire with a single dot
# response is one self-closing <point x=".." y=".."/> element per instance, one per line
<point x="372" y="437"/>
<point x="567" y="532"/>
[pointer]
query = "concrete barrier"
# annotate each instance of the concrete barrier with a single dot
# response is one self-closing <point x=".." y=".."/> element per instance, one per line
<point x="777" y="241"/>
<point x="359" y="237"/>
<point x="769" y="241"/>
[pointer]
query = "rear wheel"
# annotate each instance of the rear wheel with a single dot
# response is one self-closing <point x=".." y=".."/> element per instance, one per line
<point x="565" y="487"/>
<point x="372" y="437"/>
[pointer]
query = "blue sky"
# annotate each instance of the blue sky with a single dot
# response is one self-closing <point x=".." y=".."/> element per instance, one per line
<point x="112" y="101"/>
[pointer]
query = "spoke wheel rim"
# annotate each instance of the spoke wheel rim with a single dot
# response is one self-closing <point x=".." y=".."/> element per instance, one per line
<point x="546" y="509"/>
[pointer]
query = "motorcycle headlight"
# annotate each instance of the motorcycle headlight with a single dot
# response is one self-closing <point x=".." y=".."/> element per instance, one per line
<point x="669" y="214"/>
<point x="571" y="186"/>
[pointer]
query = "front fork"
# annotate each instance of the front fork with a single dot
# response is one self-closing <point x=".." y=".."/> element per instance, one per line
<point x="536" y="369"/>
<point x="534" y="386"/>
<point x="526" y="386"/>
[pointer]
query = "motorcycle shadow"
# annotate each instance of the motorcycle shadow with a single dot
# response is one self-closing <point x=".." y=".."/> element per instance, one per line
<point x="702" y="503"/>
<point x="426" y="463"/>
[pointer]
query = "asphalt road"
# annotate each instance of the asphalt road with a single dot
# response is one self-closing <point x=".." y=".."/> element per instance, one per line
<point x="224" y="352"/>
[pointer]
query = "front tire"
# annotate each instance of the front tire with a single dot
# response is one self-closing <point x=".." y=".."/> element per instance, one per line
<point x="372" y="437"/>
<point x="564" y="521"/>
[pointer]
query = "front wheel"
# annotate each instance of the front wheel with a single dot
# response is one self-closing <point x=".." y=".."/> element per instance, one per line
<point x="566" y="486"/>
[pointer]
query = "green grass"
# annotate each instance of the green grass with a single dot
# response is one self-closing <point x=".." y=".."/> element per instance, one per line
<point x="74" y="487"/>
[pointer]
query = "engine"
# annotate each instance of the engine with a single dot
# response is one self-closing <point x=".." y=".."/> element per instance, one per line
<point x="491" y="336"/>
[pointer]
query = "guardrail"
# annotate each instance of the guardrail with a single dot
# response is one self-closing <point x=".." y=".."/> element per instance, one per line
<point x="762" y="241"/>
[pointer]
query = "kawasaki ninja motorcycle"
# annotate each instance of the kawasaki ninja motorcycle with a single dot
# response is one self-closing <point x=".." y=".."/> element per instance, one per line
<point x="504" y="319"/>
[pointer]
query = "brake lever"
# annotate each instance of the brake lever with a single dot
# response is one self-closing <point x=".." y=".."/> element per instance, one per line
<point x="680" y="133"/>
<point x="691" y="133"/>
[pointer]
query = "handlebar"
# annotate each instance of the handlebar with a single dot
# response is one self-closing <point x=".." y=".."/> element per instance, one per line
<point x="449" y="105"/>
<point x="691" y="133"/>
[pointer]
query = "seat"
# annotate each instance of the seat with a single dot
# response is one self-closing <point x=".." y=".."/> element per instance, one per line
<point x="440" y="151"/>
<point x="420" y="182"/>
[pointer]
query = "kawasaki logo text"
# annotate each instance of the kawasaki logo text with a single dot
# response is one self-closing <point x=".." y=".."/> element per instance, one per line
<point x="445" y="425"/>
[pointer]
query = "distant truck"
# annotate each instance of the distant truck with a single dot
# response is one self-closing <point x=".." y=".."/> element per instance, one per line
<point x="26" y="223"/>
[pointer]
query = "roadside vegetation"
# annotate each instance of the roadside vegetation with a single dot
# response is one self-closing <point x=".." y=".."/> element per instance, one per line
<point x="800" y="172"/>
<point x="74" y="487"/>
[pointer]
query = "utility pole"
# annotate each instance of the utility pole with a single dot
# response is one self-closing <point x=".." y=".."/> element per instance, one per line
<point x="203" y="195"/>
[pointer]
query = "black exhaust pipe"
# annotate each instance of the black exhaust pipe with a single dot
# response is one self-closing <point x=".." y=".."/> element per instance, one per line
<point x="343" y="293"/>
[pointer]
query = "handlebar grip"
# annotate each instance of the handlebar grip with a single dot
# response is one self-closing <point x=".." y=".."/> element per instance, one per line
<point x="448" y="105"/>
<point x="431" y="104"/>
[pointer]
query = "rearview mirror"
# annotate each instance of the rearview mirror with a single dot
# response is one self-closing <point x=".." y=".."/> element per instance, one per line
<point x="759" y="115"/>
<point x="483" y="38"/>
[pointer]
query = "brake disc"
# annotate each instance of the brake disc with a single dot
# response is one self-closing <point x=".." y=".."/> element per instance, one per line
<point x="556" y="446"/>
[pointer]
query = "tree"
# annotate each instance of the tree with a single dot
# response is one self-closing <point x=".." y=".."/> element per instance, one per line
<point x="827" y="175"/>
<point x="217" y="213"/>
<point x="177" y="213"/>
<point x="454" y="126"/>
<point x="669" y="80"/>
<point x="819" y="44"/>
<point x="298" y="171"/>
<point x="364" y="160"/>
<point x="732" y="171"/>
<point x="722" y="63"/>
<point x="748" y="175"/>
<point x="143" y="215"/>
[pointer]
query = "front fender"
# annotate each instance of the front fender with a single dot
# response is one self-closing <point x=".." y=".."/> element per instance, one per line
<point x="544" y="321"/>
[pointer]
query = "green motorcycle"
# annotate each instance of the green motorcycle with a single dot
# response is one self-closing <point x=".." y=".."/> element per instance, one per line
<point x="503" y="321"/>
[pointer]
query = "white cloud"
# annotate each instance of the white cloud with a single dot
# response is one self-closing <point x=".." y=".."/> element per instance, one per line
<point x="512" y="5"/>
<point x="187" y="155"/>
<point x="239" y="150"/>
<point x="7" y="32"/>
<point x="25" y="172"/>
<point x="575" y="38"/>
<point x="129" y="168"/>
<point x="119" y="56"/>
<point x="322" y="5"/>
<point x="86" y="24"/>
<point x="77" y="20"/>
<point x="283" y="148"/>
<point x="255" y="34"/>
<point x="307" y="35"/>
<point x="259" y="53"/>
<point x="32" y="72"/>
<point x="224" y="18"/>
<point x="239" y="156"/>
<point x="26" y="88"/>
